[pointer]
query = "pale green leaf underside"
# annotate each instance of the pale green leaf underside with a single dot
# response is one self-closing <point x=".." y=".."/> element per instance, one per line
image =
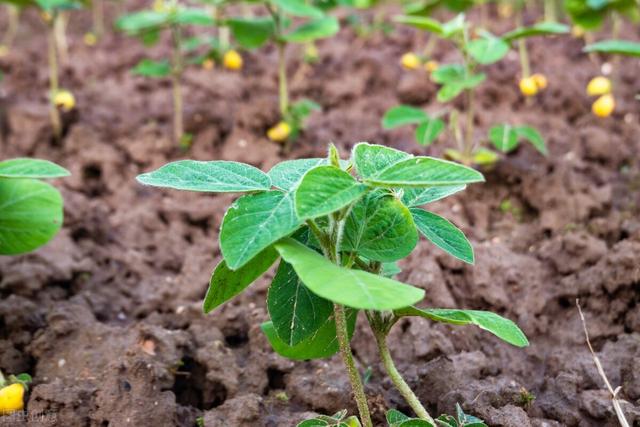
<point x="30" y="215"/>
<point x="324" y="190"/>
<point x="214" y="176"/>
<point x="501" y="327"/>
<point x="254" y="222"/>
<point x="443" y="234"/>
<point x="353" y="288"/>
<point x="31" y="168"/>
<point x="296" y="312"/>
<point x="370" y="159"/>
<point x="226" y="283"/>
<point x="380" y="228"/>
<point x="622" y="47"/>
<point x="421" y="196"/>
<point x="287" y="175"/>
<point x="322" y="344"/>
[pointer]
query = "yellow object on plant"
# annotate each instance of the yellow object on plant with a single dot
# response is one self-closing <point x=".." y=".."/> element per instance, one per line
<point x="4" y="50"/>
<point x="208" y="64"/>
<point x="11" y="398"/>
<point x="46" y="16"/>
<point x="431" y="66"/>
<point x="64" y="99"/>
<point x="90" y="39"/>
<point x="232" y="60"/>
<point x="528" y="86"/>
<point x="279" y="132"/>
<point x="599" y="86"/>
<point x="410" y="61"/>
<point x="540" y="81"/>
<point x="577" y="31"/>
<point x="604" y="106"/>
<point x="159" y="6"/>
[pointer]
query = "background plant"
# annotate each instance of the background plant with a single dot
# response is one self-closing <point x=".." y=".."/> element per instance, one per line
<point x="148" y="26"/>
<point x="463" y="78"/>
<point x="31" y="211"/>
<point x="338" y="237"/>
<point x="288" y="21"/>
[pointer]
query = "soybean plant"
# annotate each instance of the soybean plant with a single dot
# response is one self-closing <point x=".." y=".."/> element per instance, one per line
<point x="31" y="211"/>
<point x="463" y="78"/>
<point x="338" y="228"/>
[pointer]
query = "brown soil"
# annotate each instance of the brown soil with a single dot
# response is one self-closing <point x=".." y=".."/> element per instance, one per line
<point x="107" y="317"/>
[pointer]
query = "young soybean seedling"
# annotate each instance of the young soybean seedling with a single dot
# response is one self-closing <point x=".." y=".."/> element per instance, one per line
<point x="254" y="32"/>
<point x="31" y="211"/>
<point x="147" y="25"/>
<point x="338" y="227"/>
<point x="398" y="419"/>
<point x="463" y="78"/>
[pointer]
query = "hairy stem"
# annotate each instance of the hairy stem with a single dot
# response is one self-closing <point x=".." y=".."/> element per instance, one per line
<point x="399" y="382"/>
<point x="176" y="77"/>
<point x="54" y="114"/>
<point x="522" y="49"/>
<point x="12" y="26"/>
<point x="468" y="140"/>
<point x="550" y="11"/>
<point x="60" y="36"/>
<point x="347" y="357"/>
<point x="97" y="7"/>
<point x="282" y="80"/>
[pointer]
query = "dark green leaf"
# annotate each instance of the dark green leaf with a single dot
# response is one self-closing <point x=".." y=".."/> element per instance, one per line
<point x="428" y="131"/>
<point x="226" y="283"/>
<point x="190" y="16"/>
<point x="540" y="29"/>
<point x="251" y="33"/>
<point x="533" y="136"/>
<point x="504" y="137"/>
<point x="151" y="68"/>
<point x="142" y="21"/>
<point x="312" y="30"/>
<point x="296" y="312"/>
<point x="420" y="22"/>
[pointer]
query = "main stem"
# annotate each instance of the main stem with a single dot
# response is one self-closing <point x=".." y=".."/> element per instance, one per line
<point x="97" y="7"/>
<point x="56" y="123"/>
<point x="347" y="357"/>
<point x="282" y="80"/>
<point x="12" y="26"/>
<point x="522" y="49"/>
<point x="398" y="381"/>
<point x="176" y="74"/>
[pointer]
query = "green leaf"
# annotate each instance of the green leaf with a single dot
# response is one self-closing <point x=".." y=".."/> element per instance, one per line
<point x="191" y="16"/>
<point x="533" y="136"/>
<point x="503" y="328"/>
<point x="312" y="30"/>
<point x="454" y="26"/>
<point x="151" y="68"/>
<point x="353" y="288"/>
<point x="449" y="92"/>
<point x="421" y="23"/>
<point x="484" y="157"/>
<point x="428" y="131"/>
<point x="380" y="228"/>
<point x="382" y="166"/>
<point x="488" y="49"/>
<point x="226" y="283"/>
<point x="325" y="189"/>
<point x="214" y="176"/>
<point x="443" y="234"/>
<point x="296" y="312"/>
<point x="421" y="196"/>
<point x="298" y="8"/>
<point x="622" y="47"/>
<point x="251" y="33"/>
<point x="539" y="29"/>
<point x="394" y="417"/>
<point x="58" y="5"/>
<point x="503" y="137"/>
<point x="287" y="175"/>
<point x="31" y="168"/>
<point x="142" y="21"/>
<point x="403" y="115"/>
<point x="253" y="223"/>
<point x="415" y="422"/>
<point x="30" y="215"/>
<point x="449" y="73"/>
<point x="321" y="345"/>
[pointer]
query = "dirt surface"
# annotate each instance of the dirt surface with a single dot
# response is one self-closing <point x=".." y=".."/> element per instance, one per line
<point x="107" y="317"/>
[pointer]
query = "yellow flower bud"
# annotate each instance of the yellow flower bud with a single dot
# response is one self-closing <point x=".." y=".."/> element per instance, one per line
<point x="46" y="16"/>
<point x="540" y="80"/>
<point x="604" y="106"/>
<point x="232" y="60"/>
<point x="64" y="100"/>
<point x="11" y="398"/>
<point x="410" y="61"/>
<point x="208" y="64"/>
<point x="528" y="86"/>
<point x="90" y="39"/>
<point x="431" y="66"/>
<point x="279" y="132"/>
<point x="599" y="86"/>
<point x="505" y="10"/>
<point x="577" y="31"/>
<point x="159" y="6"/>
